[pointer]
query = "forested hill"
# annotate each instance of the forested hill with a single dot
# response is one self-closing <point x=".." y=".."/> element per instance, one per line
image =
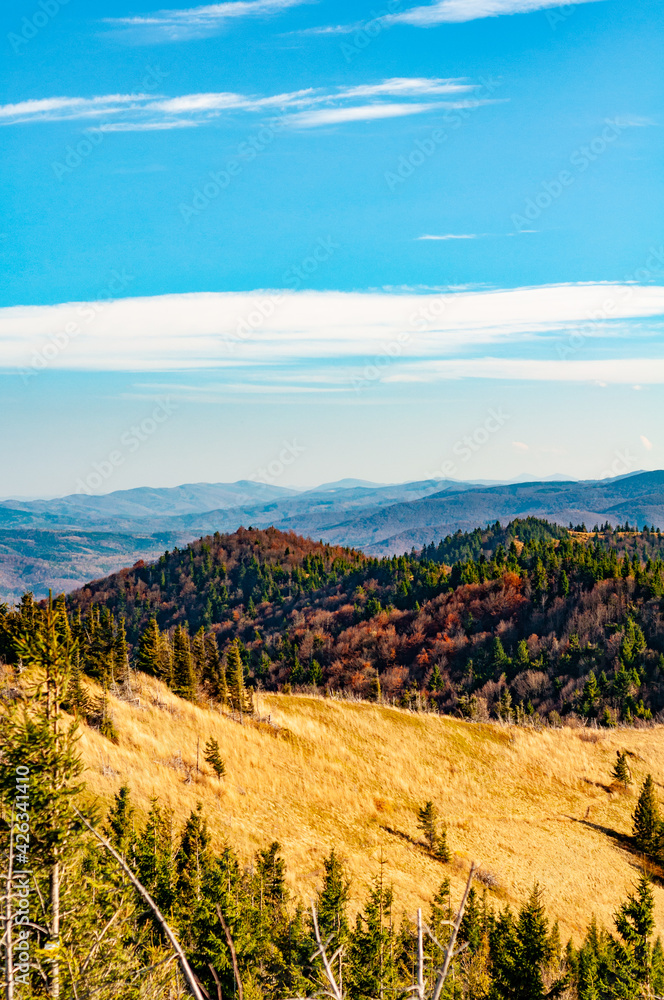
<point x="556" y="622"/>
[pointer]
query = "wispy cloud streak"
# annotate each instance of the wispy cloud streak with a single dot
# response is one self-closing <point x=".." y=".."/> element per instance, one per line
<point x="470" y="10"/>
<point x="193" y="22"/>
<point x="306" y="107"/>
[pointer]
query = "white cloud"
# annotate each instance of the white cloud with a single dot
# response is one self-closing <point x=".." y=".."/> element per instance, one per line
<point x="453" y="236"/>
<point x="199" y="102"/>
<point x="146" y="126"/>
<point x="407" y="87"/>
<point x="422" y="337"/>
<point x="520" y="446"/>
<point x="175" y="25"/>
<point x="307" y="107"/>
<point x="603" y="372"/>
<point x="646" y="443"/>
<point x="365" y="112"/>
<point x="68" y="106"/>
<point x="470" y="10"/>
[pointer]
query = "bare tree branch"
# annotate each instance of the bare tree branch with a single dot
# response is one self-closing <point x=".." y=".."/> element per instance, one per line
<point x="231" y="947"/>
<point x="450" y="953"/>
<point x="336" y="992"/>
<point x="187" y="971"/>
<point x="216" y="980"/>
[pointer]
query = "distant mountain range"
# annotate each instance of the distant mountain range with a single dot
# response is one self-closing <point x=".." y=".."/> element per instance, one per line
<point x="64" y="542"/>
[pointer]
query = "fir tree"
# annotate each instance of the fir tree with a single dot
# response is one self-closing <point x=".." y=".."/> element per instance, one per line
<point x="39" y="740"/>
<point x="646" y="819"/>
<point x="271" y="871"/>
<point x="520" y="953"/>
<point x="119" y="827"/>
<point x="633" y="953"/>
<point x="148" y="659"/>
<point x="199" y="654"/>
<point x="120" y="654"/>
<point x="240" y="698"/>
<point x="621" y="771"/>
<point x="193" y="860"/>
<point x="184" y="677"/>
<point x="213" y="757"/>
<point x="371" y="956"/>
<point x="427" y="821"/>
<point x="216" y="669"/>
<point x="470" y="930"/>
<point x="155" y="857"/>
<point x="332" y="909"/>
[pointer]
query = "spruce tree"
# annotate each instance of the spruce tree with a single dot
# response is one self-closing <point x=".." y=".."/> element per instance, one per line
<point x="184" y="677"/>
<point x="441" y="849"/>
<point x="199" y="654"/>
<point x="271" y="871"/>
<point x="119" y="826"/>
<point x="213" y="757"/>
<point x="215" y="669"/>
<point x="148" y="659"/>
<point x="41" y="742"/>
<point x="621" y="771"/>
<point x="120" y="653"/>
<point x="520" y="953"/>
<point x="193" y="860"/>
<point x="240" y="698"/>
<point x="332" y="910"/>
<point x="427" y="821"/>
<point x="646" y="819"/>
<point x="633" y="953"/>
<point x="470" y="930"/>
<point x="154" y="852"/>
<point x="371" y="956"/>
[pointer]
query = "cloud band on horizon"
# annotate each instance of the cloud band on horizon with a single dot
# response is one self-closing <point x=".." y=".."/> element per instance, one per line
<point x="313" y="337"/>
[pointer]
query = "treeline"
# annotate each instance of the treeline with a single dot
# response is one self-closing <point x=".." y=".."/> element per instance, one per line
<point x="90" y="933"/>
<point x="646" y="543"/>
<point x="545" y="629"/>
<point x="465" y="545"/>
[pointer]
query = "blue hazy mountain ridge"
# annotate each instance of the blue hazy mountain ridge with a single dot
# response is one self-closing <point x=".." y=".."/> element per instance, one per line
<point x="147" y="501"/>
<point x="65" y="542"/>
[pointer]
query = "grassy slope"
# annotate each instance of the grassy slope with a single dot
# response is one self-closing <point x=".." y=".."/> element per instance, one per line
<point x="528" y="805"/>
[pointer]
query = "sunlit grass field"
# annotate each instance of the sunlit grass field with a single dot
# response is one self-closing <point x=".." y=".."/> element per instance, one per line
<point x="528" y="805"/>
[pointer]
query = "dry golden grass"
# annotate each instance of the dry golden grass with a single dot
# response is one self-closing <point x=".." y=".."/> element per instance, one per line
<point x="529" y="805"/>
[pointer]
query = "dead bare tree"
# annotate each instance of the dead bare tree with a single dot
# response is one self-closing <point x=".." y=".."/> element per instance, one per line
<point x="449" y="951"/>
<point x="334" y="990"/>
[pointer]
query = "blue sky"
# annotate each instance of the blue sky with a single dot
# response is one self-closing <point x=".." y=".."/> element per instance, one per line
<point x="360" y="227"/>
